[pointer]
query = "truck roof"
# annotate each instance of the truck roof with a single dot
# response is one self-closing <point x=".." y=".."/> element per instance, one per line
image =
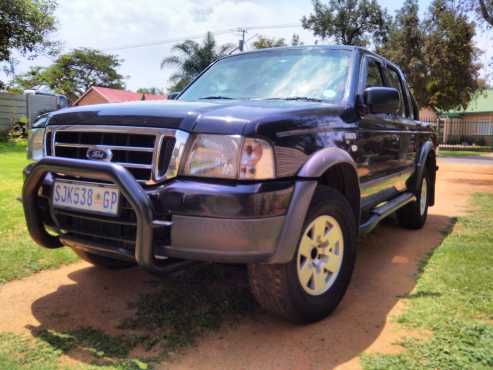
<point x="359" y="49"/>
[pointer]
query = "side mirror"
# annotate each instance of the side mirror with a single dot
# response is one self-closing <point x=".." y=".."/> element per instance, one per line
<point x="173" y="95"/>
<point x="382" y="99"/>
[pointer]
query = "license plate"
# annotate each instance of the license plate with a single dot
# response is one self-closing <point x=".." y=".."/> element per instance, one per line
<point x="87" y="197"/>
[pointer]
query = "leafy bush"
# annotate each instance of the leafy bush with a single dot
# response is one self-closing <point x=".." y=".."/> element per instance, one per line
<point x="18" y="130"/>
<point x="480" y="141"/>
<point x="477" y="140"/>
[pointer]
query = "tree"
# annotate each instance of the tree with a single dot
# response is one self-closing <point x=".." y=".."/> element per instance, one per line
<point x="151" y="90"/>
<point x="405" y="47"/>
<point x="33" y="77"/>
<point x="482" y="8"/>
<point x="263" y="42"/>
<point x="295" y="40"/>
<point x="75" y="72"/>
<point x="25" y="26"/>
<point x="486" y="10"/>
<point x="437" y="54"/>
<point x="350" y="22"/>
<point x="192" y="59"/>
<point x="450" y="57"/>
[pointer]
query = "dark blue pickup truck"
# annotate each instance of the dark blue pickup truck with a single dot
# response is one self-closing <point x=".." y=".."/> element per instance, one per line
<point x="277" y="159"/>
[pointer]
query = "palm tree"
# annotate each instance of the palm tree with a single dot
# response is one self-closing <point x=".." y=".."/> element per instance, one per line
<point x="192" y="59"/>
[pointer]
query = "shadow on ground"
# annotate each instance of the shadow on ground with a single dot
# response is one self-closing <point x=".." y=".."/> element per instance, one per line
<point x="147" y="316"/>
<point x="112" y="315"/>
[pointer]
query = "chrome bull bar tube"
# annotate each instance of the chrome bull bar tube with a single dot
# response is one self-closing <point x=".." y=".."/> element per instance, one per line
<point x="105" y="171"/>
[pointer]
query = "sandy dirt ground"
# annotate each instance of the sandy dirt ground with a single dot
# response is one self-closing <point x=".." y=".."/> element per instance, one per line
<point x="82" y="296"/>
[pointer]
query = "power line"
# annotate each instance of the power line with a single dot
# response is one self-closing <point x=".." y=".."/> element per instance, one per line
<point x="198" y="36"/>
<point x="287" y="25"/>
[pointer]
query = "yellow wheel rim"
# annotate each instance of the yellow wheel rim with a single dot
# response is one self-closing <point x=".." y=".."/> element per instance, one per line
<point x="320" y="255"/>
<point x="424" y="197"/>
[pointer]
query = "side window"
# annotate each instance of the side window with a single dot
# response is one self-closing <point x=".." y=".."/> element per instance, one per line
<point x="394" y="81"/>
<point x="374" y="74"/>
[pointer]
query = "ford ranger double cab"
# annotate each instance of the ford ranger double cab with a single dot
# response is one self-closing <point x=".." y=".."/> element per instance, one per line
<point x="277" y="159"/>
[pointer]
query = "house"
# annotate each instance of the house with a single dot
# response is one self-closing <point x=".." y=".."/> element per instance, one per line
<point x="428" y="114"/>
<point x="480" y="109"/>
<point x="471" y="125"/>
<point x="102" y="95"/>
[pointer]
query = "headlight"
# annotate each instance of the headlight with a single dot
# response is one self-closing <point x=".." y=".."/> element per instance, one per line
<point x="35" y="144"/>
<point x="230" y="157"/>
<point x="214" y="156"/>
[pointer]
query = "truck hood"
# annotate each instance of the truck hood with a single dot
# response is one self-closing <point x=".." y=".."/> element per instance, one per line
<point x="246" y="117"/>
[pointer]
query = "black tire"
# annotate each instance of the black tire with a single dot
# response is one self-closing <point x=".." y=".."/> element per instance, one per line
<point x="411" y="216"/>
<point x="276" y="287"/>
<point x="102" y="261"/>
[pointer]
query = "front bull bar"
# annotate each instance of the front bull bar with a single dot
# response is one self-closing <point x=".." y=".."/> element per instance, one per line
<point x="105" y="171"/>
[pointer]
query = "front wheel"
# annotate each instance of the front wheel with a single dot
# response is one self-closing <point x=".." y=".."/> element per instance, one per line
<point x="312" y="284"/>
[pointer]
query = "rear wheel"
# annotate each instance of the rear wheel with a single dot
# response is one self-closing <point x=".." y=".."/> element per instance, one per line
<point x="414" y="214"/>
<point x="102" y="261"/>
<point x="312" y="284"/>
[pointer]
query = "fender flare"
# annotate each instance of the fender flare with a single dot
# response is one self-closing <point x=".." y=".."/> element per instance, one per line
<point x="305" y="186"/>
<point x="426" y="150"/>
<point x="323" y="160"/>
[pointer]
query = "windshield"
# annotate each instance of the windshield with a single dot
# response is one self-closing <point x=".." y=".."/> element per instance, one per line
<point x="281" y="74"/>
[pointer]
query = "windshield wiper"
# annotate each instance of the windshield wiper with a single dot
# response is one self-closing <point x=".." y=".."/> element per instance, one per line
<point x="305" y="98"/>
<point x="216" y="97"/>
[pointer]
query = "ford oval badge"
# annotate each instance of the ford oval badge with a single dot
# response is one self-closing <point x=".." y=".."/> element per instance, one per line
<point x="99" y="154"/>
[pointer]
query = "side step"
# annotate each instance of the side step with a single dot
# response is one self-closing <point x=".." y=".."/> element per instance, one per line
<point x="379" y="213"/>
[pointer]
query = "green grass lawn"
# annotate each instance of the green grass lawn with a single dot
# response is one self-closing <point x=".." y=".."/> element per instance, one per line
<point x="19" y="255"/>
<point x="166" y="319"/>
<point x="460" y="154"/>
<point x="453" y="300"/>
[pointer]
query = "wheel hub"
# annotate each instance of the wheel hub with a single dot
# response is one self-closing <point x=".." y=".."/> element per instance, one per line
<point x="320" y="255"/>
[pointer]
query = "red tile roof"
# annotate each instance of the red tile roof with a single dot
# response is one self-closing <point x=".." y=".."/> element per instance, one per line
<point x="120" y="96"/>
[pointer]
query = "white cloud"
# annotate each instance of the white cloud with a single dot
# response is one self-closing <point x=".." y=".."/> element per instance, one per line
<point x="109" y="24"/>
<point x="484" y="41"/>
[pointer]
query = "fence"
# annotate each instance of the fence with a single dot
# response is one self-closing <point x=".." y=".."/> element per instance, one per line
<point x="464" y="132"/>
<point x="12" y="108"/>
<point x="15" y="106"/>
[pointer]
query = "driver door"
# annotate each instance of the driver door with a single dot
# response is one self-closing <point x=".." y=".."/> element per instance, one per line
<point x="378" y="158"/>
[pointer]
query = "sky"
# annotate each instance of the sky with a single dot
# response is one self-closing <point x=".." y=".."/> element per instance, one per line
<point x="115" y="25"/>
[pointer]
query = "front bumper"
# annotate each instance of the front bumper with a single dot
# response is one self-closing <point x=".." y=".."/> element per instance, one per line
<point x="216" y="222"/>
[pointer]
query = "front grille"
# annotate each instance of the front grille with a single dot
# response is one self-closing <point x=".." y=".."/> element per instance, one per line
<point x="150" y="154"/>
